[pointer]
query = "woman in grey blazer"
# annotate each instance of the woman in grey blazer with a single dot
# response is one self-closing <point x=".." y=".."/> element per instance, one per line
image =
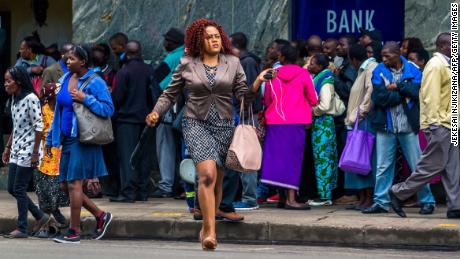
<point x="211" y="77"/>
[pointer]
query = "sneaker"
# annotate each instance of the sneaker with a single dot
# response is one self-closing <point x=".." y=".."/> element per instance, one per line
<point x="40" y="223"/>
<point x="319" y="202"/>
<point x="72" y="237"/>
<point x="239" y="205"/>
<point x="42" y="233"/>
<point x="102" y="224"/>
<point x="274" y="199"/>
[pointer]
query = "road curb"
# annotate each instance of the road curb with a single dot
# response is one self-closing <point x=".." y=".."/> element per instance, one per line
<point x="247" y="232"/>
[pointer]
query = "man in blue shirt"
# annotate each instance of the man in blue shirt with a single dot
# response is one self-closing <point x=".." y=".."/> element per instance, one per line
<point x="396" y="117"/>
<point x="167" y="139"/>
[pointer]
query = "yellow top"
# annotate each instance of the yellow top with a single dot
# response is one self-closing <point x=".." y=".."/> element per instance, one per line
<point x="49" y="166"/>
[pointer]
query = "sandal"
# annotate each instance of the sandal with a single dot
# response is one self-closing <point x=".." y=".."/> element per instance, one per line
<point x="16" y="234"/>
<point x="297" y="207"/>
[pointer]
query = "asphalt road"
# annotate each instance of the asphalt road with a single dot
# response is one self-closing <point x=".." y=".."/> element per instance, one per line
<point x="88" y="249"/>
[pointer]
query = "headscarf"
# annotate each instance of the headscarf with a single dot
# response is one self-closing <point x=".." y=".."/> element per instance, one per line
<point x="49" y="92"/>
<point x="324" y="77"/>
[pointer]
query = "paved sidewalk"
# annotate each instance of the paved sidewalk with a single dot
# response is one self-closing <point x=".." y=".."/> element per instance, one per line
<point x="169" y="219"/>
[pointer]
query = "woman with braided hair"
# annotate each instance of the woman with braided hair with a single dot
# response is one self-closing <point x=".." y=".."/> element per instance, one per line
<point x="212" y="76"/>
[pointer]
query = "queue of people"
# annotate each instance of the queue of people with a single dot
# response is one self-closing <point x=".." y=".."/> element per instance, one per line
<point x="306" y="97"/>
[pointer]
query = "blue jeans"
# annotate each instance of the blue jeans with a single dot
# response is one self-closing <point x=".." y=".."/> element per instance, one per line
<point x="249" y="180"/>
<point x="386" y="146"/>
<point x="263" y="190"/>
<point x="167" y="153"/>
<point x="18" y="181"/>
<point x="249" y="183"/>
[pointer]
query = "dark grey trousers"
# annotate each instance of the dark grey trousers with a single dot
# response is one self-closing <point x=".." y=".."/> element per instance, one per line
<point x="134" y="183"/>
<point x="439" y="157"/>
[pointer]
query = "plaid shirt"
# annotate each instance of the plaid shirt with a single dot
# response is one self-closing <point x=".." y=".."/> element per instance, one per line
<point x="399" y="119"/>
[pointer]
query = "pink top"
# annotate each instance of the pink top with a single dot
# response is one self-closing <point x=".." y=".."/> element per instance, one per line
<point x="290" y="96"/>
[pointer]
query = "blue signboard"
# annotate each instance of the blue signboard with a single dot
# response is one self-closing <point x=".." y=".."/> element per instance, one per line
<point x="333" y="18"/>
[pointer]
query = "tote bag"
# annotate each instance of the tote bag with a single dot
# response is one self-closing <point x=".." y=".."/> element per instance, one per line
<point x="92" y="129"/>
<point x="245" y="152"/>
<point x="357" y="154"/>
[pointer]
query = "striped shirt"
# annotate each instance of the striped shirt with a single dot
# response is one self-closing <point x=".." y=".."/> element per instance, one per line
<point x="399" y="118"/>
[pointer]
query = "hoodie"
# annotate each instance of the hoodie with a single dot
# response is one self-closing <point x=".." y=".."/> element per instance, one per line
<point x="290" y="96"/>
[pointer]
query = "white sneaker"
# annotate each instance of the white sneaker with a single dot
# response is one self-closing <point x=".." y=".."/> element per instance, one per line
<point x="318" y="202"/>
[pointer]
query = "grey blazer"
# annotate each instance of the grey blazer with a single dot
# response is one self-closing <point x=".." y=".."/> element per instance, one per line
<point x="191" y="76"/>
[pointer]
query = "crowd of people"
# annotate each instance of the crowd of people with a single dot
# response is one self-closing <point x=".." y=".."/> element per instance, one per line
<point x="306" y="96"/>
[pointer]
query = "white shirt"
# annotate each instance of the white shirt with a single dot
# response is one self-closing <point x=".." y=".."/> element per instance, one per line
<point x="27" y="119"/>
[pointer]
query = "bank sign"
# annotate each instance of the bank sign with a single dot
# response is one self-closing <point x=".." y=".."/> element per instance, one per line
<point x="332" y="18"/>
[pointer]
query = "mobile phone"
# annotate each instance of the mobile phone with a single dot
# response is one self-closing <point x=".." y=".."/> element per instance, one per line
<point x="268" y="75"/>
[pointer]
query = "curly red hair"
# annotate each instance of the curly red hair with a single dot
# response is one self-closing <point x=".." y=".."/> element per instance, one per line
<point x="194" y="37"/>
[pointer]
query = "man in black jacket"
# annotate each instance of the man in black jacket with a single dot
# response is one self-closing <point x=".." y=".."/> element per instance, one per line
<point x="118" y="43"/>
<point x="133" y="101"/>
<point x="345" y="76"/>
<point x="251" y="67"/>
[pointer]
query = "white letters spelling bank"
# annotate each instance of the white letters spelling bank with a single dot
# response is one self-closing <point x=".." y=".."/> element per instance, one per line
<point x="349" y="21"/>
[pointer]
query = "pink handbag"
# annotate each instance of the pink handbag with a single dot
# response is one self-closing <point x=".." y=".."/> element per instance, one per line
<point x="245" y="152"/>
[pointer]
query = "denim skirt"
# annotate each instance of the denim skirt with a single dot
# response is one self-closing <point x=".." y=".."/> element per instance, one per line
<point x="80" y="161"/>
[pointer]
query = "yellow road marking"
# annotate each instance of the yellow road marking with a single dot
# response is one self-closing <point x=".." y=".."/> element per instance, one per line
<point x="85" y="213"/>
<point x="448" y="225"/>
<point x="168" y="214"/>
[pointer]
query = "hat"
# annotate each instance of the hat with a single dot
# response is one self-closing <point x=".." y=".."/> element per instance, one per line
<point x="175" y="35"/>
<point x="375" y="34"/>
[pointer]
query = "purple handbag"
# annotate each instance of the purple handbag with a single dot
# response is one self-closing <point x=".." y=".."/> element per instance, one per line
<point x="357" y="154"/>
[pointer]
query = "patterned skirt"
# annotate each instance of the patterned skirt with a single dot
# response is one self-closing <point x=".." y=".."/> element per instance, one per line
<point x="208" y="139"/>
<point x="325" y="155"/>
<point x="50" y="195"/>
